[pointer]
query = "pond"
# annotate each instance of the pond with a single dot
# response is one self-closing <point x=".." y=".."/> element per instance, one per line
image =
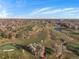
<point x="76" y="33"/>
<point x="58" y="29"/>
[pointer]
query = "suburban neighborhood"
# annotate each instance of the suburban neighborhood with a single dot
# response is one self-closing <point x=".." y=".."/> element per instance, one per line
<point x="39" y="39"/>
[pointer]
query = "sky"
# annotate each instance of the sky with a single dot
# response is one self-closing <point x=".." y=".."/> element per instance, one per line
<point x="39" y="9"/>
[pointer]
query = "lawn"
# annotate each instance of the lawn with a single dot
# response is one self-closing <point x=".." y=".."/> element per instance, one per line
<point x="35" y="39"/>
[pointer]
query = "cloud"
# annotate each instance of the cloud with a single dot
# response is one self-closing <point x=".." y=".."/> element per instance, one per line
<point x="40" y="10"/>
<point x="51" y="11"/>
<point x="3" y="12"/>
<point x="55" y="12"/>
<point x="0" y="6"/>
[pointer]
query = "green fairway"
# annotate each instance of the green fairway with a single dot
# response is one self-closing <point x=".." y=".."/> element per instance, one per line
<point x="75" y="33"/>
<point x="36" y="39"/>
<point x="7" y="46"/>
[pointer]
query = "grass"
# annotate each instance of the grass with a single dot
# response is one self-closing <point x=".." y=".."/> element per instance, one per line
<point x="7" y="46"/>
<point x="19" y="54"/>
<point x="76" y="33"/>
<point x="15" y="54"/>
<point x="35" y="39"/>
<point x="74" y="48"/>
